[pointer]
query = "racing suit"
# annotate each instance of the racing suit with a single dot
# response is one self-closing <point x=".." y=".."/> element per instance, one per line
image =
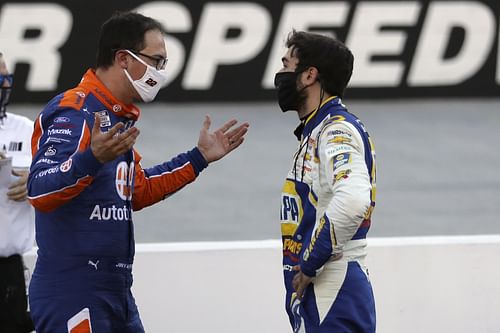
<point x="84" y="227"/>
<point x="326" y="205"/>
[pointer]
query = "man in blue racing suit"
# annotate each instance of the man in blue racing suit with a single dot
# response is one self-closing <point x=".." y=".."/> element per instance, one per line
<point x="329" y="193"/>
<point x="86" y="179"/>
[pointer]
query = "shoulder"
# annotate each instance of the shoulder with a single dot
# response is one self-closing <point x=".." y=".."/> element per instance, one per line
<point x="339" y="136"/>
<point x="63" y="108"/>
<point x="19" y="121"/>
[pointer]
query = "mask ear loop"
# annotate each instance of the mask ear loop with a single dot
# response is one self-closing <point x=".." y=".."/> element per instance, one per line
<point x="321" y="95"/>
<point x="4" y="101"/>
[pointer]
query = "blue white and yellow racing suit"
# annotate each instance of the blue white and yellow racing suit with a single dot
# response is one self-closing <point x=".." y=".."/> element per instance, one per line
<point x="327" y="201"/>
<point x="84" y="228"/>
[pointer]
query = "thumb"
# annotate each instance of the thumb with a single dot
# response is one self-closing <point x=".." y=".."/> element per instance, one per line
<point x="207" y="122"/>
<point x="96" y="129"/>
<point x="19" y="173"/>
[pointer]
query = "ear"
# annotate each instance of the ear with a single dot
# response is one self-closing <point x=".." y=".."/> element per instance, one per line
<point x="122" y="59"/>
<point x="312" y="75"/>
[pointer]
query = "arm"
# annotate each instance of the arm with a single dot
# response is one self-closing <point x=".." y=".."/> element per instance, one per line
<point x="63" y="164"/>
<point x="156" y="183"/>
<point x="67" y="157"/>
<point x="344" y="173"/>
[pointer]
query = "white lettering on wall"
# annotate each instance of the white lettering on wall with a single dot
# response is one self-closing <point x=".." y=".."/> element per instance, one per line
<point x="213" y="48"/>
<point x="301" y="16"/>
<point x="367" y="39"/>
<point x="41" y="52"/>
<point x="429" y="66"/>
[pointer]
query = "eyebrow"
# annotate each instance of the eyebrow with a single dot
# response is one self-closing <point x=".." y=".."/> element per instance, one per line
<point x="159" y="56"/>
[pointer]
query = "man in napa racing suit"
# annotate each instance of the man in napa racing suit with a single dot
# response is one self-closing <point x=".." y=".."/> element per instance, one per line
<point x="86" y="179"/>
<point x="329" y="193"/>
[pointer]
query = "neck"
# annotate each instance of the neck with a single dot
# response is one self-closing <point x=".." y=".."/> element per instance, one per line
<point x="313" y="101"/>
<point x="116" y="83"/>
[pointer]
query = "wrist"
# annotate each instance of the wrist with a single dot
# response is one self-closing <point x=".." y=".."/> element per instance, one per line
<point x="204" y="154"/>
<point x="198" y="159"/>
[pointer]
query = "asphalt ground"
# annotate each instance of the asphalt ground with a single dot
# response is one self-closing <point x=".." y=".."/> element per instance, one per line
<point x="437" y="169"/>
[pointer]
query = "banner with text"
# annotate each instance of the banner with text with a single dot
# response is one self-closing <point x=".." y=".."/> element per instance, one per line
<point x="230" y="50"/>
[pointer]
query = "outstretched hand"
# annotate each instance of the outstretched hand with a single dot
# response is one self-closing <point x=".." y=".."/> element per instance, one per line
<point x="216" y="145"/>
<point x="106" y="146"/>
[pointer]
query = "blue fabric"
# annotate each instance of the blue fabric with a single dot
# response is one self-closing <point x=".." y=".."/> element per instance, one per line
<point x="353" y="310"/>
<point x="109" y="311"/>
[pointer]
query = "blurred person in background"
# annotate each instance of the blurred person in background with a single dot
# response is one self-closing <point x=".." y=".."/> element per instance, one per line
<point x="329" y="193"/>
<point x="17" y="230"/>
<point x="86" y="179"/>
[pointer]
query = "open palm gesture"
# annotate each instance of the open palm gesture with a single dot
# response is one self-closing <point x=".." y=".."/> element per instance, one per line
<point x="218" y="144"/>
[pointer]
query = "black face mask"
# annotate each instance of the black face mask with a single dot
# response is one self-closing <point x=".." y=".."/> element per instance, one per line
<point x="288" y="97"/>
<point x="4" y="100"/>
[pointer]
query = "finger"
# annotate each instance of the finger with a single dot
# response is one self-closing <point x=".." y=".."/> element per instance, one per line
<point x="235" y="144"/>
<point x="113" y="130"/>
<point x="238" y="135"/>
<point x="228" y="125"/>
<point x="233" y="132"/>
<point x="296" y="268"/>
<point x="207" y="122"/>
<point x="15" y="191"/>
<point x="300" y="291"/>
<point x="96" y="129"/>
<point x="125" y="141"/>
<point x="130" y="132"/>
<point x="20" y="173"/>
<point x="18" y="183"/>
<point x="19" y="197"/>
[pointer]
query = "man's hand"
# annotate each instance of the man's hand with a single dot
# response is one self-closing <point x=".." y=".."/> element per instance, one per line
<point x="106" y="146"/>
<point x="300" y="281"/>
<point x="216" y="145"/>
<point x="18" y="190"/>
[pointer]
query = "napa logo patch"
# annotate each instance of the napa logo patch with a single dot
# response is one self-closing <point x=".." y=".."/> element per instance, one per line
<point x="341" y="160"/>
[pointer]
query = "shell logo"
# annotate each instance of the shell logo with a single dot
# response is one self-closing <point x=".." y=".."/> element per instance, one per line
<point x="124" y="178"/>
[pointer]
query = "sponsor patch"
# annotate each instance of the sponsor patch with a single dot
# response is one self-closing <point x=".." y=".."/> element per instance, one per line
<point x="104" y="118"/>
<point x="51" y="151"/>
<point x="339" y="139"/>
<point x="46" y="161"/>
<point x="60" y="120"/>
<point x="113" y="213"/>
<point x="117" y="108"/>
<point x="337" y="132"/>
<point x="338" y="149"/>
<point x="61" y="131"/>
<point x="47" y="172"/>
<point x="56" y="140"/>
<point x="66" y="166"/>
<point x="341" y="160"/>
<point x="344" y="174"/>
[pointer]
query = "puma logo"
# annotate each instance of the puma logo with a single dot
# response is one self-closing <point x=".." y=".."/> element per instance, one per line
<point x="93" y="263"/>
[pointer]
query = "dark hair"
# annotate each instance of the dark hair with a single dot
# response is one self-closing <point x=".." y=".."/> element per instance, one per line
<point x="330" y="56"/>
<point x="123" y="30"/>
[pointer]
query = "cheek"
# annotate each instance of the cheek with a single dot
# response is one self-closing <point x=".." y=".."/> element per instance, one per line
<point x="137" y="71"/>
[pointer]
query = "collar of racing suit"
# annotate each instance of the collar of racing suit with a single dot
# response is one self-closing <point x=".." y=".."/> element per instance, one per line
<point x="304" y="120"/>
<point x="91" y="83"/>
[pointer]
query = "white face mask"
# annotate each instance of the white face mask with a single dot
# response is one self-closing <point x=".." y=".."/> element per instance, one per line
<point x="150" y="83"/>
